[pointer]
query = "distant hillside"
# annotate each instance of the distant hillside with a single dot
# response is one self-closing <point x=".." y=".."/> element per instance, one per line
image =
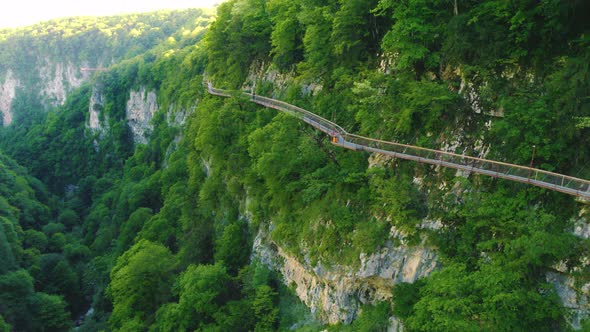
<point x="41" y="64"/>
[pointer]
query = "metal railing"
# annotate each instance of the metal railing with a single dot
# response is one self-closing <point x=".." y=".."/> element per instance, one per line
<point x="533" y="176"/>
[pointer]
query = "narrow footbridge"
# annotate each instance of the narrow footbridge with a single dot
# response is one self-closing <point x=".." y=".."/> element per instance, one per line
<point x="339" y="137"/>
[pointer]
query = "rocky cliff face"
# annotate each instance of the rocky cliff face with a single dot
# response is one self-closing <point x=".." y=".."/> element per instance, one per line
<point x="141" y="107"/>
<point x="58" y="79"/>
<point x="53" y="82"/>
<point x="336" y="293"/>
<point x="94" y="110"/>
<point x="178" y="117"/>
<point x="7" y="94"/>
<point x="574" y="293"/>
<point x="97" y="123"/>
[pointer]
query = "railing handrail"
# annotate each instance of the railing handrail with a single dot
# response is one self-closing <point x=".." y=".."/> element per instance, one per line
<point x="336" y="131"/>
<point x="471" y="158"/>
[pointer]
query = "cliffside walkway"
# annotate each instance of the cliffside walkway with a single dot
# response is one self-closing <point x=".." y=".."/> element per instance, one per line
<point x="532" y="176"/>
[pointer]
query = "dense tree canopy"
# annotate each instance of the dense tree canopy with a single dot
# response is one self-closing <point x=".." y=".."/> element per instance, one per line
<point x="159" y="236"/>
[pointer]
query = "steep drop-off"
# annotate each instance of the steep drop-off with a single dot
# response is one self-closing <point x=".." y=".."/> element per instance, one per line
<point x="194" y="212"/>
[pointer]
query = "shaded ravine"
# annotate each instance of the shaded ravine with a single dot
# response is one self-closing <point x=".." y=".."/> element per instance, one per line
<point x="339" y="137"/>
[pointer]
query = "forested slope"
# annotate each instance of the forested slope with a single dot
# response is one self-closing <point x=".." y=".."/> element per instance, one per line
<point x="39" y="255"/>
<point x="485" y="78"/>
<point x="147" y="254"/>
<point x="191" y="230"/>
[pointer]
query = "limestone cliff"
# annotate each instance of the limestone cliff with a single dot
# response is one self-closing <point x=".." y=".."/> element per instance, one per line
<point x="51" y="82"/>
<point x="573" y="291"/>
<point x="574" y="295"/>
<point x="178" y="117"/>
<point x="141" y="107"/>
<point x="57" y="79"/>
<point x="7" y="94"/>
<point x="336" y="293"/>
<point x="95" y="124"/>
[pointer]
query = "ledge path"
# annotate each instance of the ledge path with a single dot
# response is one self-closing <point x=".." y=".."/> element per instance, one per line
<point x="532" y="176"/>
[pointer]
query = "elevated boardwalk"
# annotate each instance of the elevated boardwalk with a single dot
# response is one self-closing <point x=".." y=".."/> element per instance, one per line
<point x="89" y="69"/>
<point x="532" y="176"/>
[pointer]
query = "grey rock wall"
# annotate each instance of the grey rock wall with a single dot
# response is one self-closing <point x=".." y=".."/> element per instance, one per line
<point x="334" y="294"/>
<point x="7" y="94"/>
<point x="141" y="107"/>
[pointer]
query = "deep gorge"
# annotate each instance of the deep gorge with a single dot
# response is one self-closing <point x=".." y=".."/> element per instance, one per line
<point x="132" y="200"/>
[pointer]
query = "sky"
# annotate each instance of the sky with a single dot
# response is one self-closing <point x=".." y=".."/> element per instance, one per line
<point x="16" y="13"/>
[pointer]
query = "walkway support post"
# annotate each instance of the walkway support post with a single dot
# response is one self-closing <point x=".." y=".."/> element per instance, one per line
<point x="532" y="161"/>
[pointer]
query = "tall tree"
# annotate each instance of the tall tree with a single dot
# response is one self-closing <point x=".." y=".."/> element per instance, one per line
<point x="140" y="283"/>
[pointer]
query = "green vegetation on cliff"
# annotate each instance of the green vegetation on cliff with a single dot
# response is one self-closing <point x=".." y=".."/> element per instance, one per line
<point x="39" y="287"/>
<point x="158" y="236"/>
<point x="426" y="73"/>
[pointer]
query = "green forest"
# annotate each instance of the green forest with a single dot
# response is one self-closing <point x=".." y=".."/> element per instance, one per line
<point x="101" y="233"/>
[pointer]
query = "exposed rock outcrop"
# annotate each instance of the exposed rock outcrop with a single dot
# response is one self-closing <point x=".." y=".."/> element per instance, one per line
<point x="575" y="297"/>
<point x="7" y="94"/>
<point x="395" y="325"/>
<point x="97" y="122"/>
<point x="574" y="293"/>
<point x="58" y="79"/>
<point x="335" y="294"/>
<point x="95" y="108"/>
<point x="582" y="229"/>
<point x="177" y="118"/>
<point x="141" y="107"/>
<point x="55" y="80"/>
